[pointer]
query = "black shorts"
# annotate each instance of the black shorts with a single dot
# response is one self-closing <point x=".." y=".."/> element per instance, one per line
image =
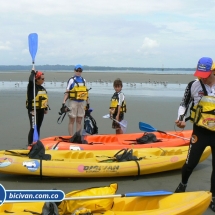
<point x="114" y="123"/>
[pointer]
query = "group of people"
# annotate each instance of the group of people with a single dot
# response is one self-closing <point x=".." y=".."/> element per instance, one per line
<point x="77" y="98"/>
<point x="199" y="96"/>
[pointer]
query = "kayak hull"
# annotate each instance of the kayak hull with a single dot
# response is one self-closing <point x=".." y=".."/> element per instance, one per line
<point x="65" y="163"/>
<point x="118" y="141"/>
<point x="178" y="203"/>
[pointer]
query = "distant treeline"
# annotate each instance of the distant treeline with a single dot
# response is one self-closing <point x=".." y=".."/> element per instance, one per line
<point x="71" y="67"/>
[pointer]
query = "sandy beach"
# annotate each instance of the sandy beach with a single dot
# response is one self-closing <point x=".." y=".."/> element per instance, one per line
<point x="156" y="111"/>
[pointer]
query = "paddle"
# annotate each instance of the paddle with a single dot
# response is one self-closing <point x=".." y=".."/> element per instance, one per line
<point x="148" y="128"/>
<point x="135" y="194"/>
<point x="123" y="123"/>
<point x="33" y="44"/>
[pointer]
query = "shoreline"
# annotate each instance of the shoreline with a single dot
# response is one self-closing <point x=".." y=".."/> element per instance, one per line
<point x="103" y="77"/>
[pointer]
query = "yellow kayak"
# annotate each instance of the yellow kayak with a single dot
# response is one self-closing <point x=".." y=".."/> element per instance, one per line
<point x="177" y="203"/>
<point x="96" y="163"/>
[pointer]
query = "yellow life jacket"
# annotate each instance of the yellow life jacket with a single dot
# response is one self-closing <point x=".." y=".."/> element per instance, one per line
<point x="41" y="100"/>
<point x="93" y="205"/>
<point x="78" y="92"/>
<point x="115" y="101"/>
<point x="203" y="114"/>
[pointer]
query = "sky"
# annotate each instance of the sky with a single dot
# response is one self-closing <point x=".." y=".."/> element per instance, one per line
<point x="118" y="33"/>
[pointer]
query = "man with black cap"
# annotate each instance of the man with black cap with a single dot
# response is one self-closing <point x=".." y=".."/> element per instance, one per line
<point x="201" y="92"/>
<point x="77" y="94"/>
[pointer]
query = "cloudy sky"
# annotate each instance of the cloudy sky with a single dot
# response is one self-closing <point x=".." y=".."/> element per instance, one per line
<point x="130" y="33"/>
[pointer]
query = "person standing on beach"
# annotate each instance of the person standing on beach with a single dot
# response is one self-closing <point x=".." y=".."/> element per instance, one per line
<point x="77" y="94"/>
<point x="41" y="102"/>
<point x="201" y="92"/>
<point x="117" y="106"/>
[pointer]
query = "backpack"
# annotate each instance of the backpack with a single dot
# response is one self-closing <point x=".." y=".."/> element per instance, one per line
<point x="50" y="208"/>
<point x="147" y="138"/>
<point x="38" y="152"/>
<point x="90" y="125"/>
<point x="126" y="155"/>
<point x="77" y="138"/>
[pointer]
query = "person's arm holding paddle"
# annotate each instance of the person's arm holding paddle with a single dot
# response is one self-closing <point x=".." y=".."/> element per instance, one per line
<point x="183" y="108"/>
<point x="30" y="88"/>
<point x="118" y="112"/>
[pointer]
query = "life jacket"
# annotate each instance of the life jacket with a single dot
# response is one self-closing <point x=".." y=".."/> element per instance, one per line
<point x="41" y="100"/>
<point x="203" y="114"/>
<point x="77" y="92"/>
<point x="115" y="101"/>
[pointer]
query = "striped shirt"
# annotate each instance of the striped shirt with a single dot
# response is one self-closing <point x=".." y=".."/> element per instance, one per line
<point x="194" y="93"/>
<point x="121" y="97"/>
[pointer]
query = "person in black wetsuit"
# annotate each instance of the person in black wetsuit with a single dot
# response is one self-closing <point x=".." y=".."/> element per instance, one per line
<point x="201" y="92"/>
<point x="41" y="102"/>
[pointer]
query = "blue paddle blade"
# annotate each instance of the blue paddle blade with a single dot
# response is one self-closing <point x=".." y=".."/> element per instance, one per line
<point x="149" y="193"/>
<point x="146" y="127"/>
<point x="33" y="44"/>
<point x="35" y="135"/>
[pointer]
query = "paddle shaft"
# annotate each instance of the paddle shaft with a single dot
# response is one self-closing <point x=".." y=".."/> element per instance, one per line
<point x="148" y="128"/>
<point x="174" y="135"/>
<point x="33" y="45"/>
<point x="137" y="194"/>
<point x="107" y="116"/>
<point x="93" y="197"/>
<point x="119" y="123"/>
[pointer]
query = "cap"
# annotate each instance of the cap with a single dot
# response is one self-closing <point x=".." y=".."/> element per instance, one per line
<point x="204" y="67"/>
<point x="38" y="74"/>
<point x="78" y="66"/>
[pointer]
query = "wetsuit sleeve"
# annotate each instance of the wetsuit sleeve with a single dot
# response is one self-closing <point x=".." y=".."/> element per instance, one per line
<point x="30" y="90"/>
<point x="187" y="98"/>
<point x="31" y="78"/>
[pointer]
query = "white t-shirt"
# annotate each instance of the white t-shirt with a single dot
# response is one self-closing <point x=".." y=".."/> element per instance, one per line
<point x="194" y="93"/>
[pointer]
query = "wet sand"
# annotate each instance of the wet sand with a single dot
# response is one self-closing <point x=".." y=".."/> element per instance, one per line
<point x="101" y="76"/>
<point x="158" y="112"/>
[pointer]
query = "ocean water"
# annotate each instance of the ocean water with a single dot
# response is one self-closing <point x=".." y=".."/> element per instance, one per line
<point x="145" y="71"/>
<point x="129" y="89"/>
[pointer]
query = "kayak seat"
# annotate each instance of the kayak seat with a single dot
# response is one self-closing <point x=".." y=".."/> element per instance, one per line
<point x="178" y="152"/>
<point x="173" y="152"/>
<point x="81" y="155"/>
<point x="101" y="138"/>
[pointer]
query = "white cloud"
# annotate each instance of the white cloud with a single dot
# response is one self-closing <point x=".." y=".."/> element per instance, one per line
<point x="93" y="7"/>
<point x="108" y="32"/>
<point x="5" y="45"/>
<point x="149" y="43"/>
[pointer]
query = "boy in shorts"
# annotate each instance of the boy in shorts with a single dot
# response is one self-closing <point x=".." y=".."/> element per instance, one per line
<point x="117" y="106"/>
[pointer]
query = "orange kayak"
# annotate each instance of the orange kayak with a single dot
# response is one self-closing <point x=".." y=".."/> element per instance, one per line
<point x="118" y="141"/>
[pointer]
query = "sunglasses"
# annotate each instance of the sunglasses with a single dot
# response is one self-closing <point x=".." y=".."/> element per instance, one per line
<point x="79" y="70"/>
